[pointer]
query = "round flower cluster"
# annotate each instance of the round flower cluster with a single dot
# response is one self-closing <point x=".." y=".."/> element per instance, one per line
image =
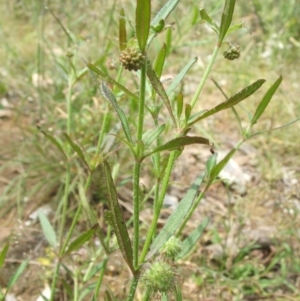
<point x="233" y="52"/>
<point x="132" y="59"/>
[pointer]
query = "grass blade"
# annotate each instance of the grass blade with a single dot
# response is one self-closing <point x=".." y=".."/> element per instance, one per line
<point x="192" y="239"/>
<point x="164" y="12"/>
<point x="178" y="143"/>
<point x="108" y="79"/>
<point x="80" y="240"/>
<point x="149" y="137"/>
<point x="142" y="20"/>
<point x="17" y="274"/>
<point x="232" y="101"/>
<point x="117" y="220"/>
<point x="176" y="218"/>
<point x="265" y="101"/>
<point x="48" y="230"/>
<point x="179" y="77"/>
<point x="218" y="167"/>
<point x="3" y="254"/>
<point x="76" y="148"/>
<point x="226" y="19"/>
<point x="111" y="98"/>
<point x="54" y="142"/>
<point x="122" y="30"/>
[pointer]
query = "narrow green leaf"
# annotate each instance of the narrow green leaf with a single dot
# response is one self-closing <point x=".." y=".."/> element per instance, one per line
<point x="226" y="19"/>
<point x="196" y="115"/>
<point x="3" y="254"/>
<point x="76" y="148"/>
<point x="177" y="143"/>
<point x="160" y="60"/>
<point x="164" y="12"/>
<point x="192" y="239"/>
<point x="150" y="136"/>
<point x="179" y="105"/>
<point x="178" y="293"/>
<point x="48" y="230"/>
<point x="160" y="90"/>
<point x="210" y="164"/>
<point x="158" y="66"/>
<point x="232" y="101"/>
<point x="187" y="112"/>
<point x="117" y="219"/>
<point x="218" y="167"/>
<point x="179" y="77"/>
<point x="80" y="240"/>
<point x="176" y="218"/>
<point x="122" y="30"/>
<point x="265" y="100"/>
<point x="235" y="27"/>
<point x="142" y="20"/>
<point x="17" y="274"/>
<point x="55" y="142"/>
<point x="108" y="79"/>
<point x="205" y="17"/>
<point x="111" y="98"/>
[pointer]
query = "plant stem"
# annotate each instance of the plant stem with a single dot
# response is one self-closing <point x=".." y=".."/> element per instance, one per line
<point x="133" y="286"/>
<point x="159" y="203"/>
<point x="205" y="76"/>
<point x="137" y="167"/>
<point x="99" y="282"/>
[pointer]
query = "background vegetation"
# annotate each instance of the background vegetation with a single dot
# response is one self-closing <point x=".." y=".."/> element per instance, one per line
<point x="250" y="250"/>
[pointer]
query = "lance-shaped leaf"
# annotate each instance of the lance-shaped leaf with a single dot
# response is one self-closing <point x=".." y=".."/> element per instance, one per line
<point x="210" y="164"/>
<point x="218" y="167"/>
<point x="77" y="149"/>
<point x="54" y="142"/>
<point x="17" y="274"/>
<point x="3" y="254"/>
<point x="181" y="75"/>
<point x="122" y="30"/>
<point x="176" y="218"/>
<point x="164" y="12"/>
<point x="108" y="79"/>
<point x="226" y="19"/>
<point x="160" y="60"/>
<point x="160" y="90"/>
<point x="158" y="65"/>
<point x="177" y="143"/>
<point x="232" y="101"/>
<point x="179" y="106"/>
<point x="150" y="136"/>
<point x="48" y="230"/>
<point x="117" y="219"/>
<point x="142" y="21"/>
<point x="192" y="239"/>
<point x="235" y="27"/>
<point x="80" y="240"/>
<point x="204" y="16"/>
<point x="111" y="98"/>
<point x="265" y="101"/>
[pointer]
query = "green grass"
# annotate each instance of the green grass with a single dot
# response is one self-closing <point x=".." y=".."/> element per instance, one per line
<point x="34" y="171"/>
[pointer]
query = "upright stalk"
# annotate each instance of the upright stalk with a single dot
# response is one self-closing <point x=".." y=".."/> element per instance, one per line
<point x="137" y="167"/>
<point x="205" y="75"/>
<point x="164" y="187"/>
<point x="67" y="182"/>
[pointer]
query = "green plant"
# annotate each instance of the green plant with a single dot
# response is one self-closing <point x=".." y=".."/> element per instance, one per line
<point x="148" y="149"/>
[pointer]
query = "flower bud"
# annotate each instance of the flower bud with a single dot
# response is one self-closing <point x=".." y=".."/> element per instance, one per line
<point x="132" y="59"/>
